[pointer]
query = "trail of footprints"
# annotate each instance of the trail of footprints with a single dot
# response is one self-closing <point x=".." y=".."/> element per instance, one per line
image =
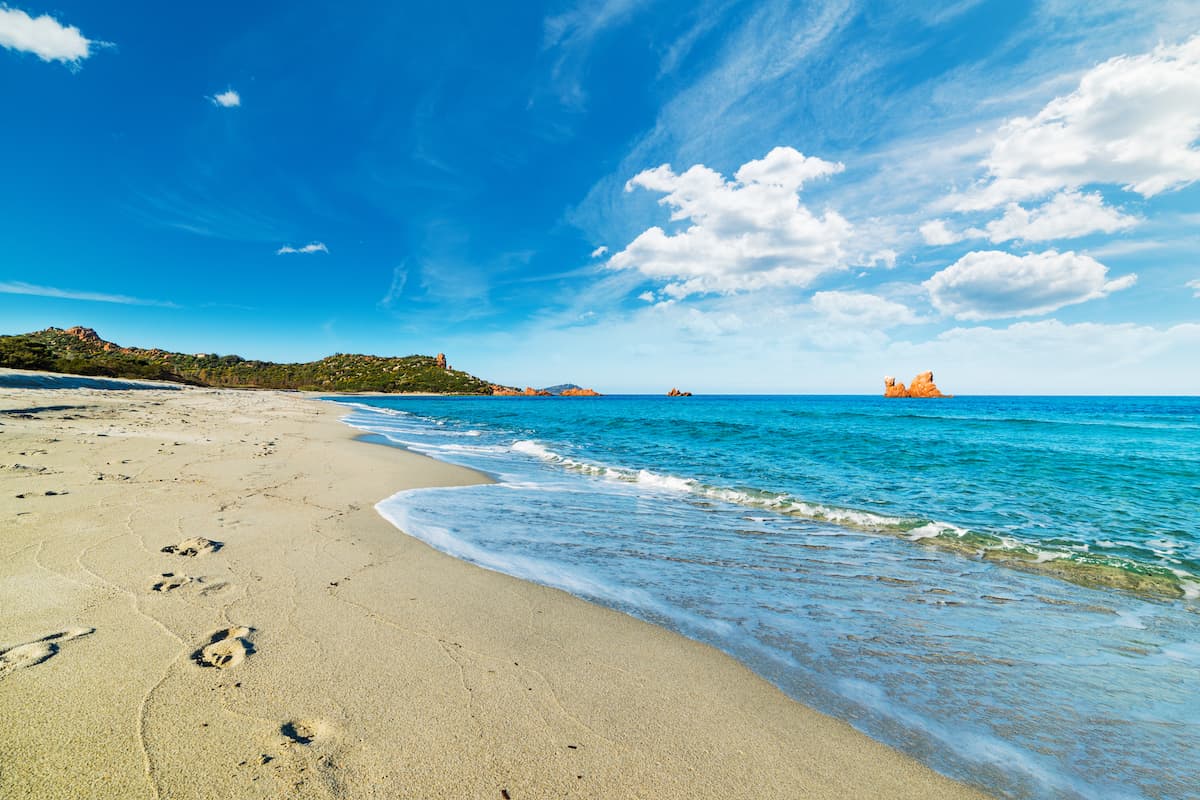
<point x="227" y="647"/>
<point x="306" y="744"/>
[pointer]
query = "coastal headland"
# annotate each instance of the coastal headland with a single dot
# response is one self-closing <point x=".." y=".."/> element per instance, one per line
<point x="199" y="600"/>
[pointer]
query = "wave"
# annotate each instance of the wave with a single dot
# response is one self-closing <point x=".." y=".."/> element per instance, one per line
<point x="1076" y="564"/>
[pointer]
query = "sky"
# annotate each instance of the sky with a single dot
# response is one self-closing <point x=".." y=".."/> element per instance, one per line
<point x="724" y="196"/>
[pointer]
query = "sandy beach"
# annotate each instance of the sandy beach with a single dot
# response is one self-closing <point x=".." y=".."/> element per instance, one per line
<point x="198" y="600"/>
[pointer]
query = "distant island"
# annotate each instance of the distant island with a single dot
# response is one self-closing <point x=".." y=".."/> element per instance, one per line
<point x="81" y="351"/>
<point x="562" y="390"/>
<point x="921" y="386"/>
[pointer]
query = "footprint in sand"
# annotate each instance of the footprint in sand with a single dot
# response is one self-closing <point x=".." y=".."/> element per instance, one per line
<point x="170" y="582"/>
<point x="213" y="588"/>
<point x="193" y="547"/>
<point x="33" y="653"/>
<point x="308" y="731"/>
<point x="227" y="648"/>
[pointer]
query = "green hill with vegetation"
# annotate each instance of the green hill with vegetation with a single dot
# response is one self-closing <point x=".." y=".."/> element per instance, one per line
<point x="80" y="351"/>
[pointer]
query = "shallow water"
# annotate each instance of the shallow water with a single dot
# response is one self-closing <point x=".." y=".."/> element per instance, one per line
<point x="833" y="544"/>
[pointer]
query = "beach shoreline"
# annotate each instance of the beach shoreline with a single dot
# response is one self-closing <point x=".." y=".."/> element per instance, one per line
<point x="310" y="649"/>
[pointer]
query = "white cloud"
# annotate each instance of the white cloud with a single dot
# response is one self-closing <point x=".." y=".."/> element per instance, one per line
<point x="862" y="309"/>
<point x="989" y="284"/>
<point x="227" y="99"/>
<point x="599" y="251"/>
<point x="1133" y="122"/>
<point x="886" y="257"/>
<point x="396" y="288"/>
<point x="647" y="297"/>
<point x="44" y="36"/>
<point x="936" y="232"/>
<point x="747" y="233"/>
<point x="1066" y="216"/>
<point x="1194" y="285"/>
<point x="20" y="287"/>
<point x="312" y="247"/>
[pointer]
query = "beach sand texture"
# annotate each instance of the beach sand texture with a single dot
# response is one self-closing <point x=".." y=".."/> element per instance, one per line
<point x="198" y="600"/>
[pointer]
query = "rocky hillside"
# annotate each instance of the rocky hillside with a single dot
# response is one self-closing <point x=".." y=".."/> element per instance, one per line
<point x="81" y="351"/>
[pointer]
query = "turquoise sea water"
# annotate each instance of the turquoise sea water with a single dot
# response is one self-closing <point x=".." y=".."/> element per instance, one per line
<point x="938" y="573"/>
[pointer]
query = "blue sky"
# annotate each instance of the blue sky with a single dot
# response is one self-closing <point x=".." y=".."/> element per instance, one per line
<point x="725" y="196"/>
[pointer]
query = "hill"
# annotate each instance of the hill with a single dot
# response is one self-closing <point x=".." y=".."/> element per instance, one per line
<point x="560" y="388"/>
<point x="81" y="351"/>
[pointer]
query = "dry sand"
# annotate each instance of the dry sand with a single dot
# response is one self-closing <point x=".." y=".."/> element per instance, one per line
<point x="198" y="600"/>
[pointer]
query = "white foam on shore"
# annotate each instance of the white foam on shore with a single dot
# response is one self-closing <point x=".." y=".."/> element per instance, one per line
<point x="642" y="603"/>
<point x="668" y="482"/>
<point x="912" y="529"/>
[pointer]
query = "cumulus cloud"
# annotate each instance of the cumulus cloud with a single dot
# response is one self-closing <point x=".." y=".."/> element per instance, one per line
<point x="937" y="232"/>
<point x="44" y="36"/>
<point x="745" y="233"/>
<point x="20" y="287"/>
<point x="885" y="257"/>
<point x="1132" y="122"/>
<point x="1194" y="285"/>
<point x="1066" y="216"/>
<point x="862" y="309"/>
<point x="989" y="284"/>
<point x="312" y="247"/>
<point x="227" y="99"/>
<point x="599" y="251"/>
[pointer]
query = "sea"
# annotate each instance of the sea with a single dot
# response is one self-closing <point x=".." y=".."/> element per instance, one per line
<point x="1006" y="588"/>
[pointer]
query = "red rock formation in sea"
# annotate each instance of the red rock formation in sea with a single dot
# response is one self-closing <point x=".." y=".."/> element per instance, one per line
<point x="580" y="393"/>
<point x="676" y="393"/>
<point x="921" y="386"/>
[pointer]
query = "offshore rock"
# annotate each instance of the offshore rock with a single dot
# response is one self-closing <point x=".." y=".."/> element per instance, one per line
<point x="579" y="393"/>
<point x="676" y="393"/>
<point x="921" y="386"/>
<point x="893" y="389"/>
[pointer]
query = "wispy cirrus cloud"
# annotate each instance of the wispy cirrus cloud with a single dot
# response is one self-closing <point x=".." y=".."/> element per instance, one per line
<point x="570" y="35"/>
<point x="44" y="36"/>
<point x="396" y="287"/>
<point x="311" y="247"/>
<point x="20" y="287"/>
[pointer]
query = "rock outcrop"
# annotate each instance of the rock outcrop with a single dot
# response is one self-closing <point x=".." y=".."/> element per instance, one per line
<point x="90" y="336"/>
<point x="441" y="361"/>
<point x="921" y="386"/>
<point x="579" y="393"/>
<point x="676" y="393"/>
<point x="508" y="391"/>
